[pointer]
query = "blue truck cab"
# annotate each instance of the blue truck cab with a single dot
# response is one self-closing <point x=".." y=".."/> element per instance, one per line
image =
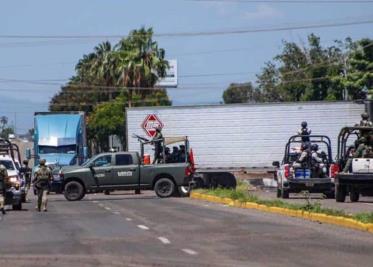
<point x="60" y="139"/>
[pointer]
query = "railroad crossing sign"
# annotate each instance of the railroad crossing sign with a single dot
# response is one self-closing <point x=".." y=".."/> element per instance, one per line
<point x="150" y="123"/>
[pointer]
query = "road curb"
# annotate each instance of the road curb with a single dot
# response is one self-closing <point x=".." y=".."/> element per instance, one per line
<point x="311" y="216"/>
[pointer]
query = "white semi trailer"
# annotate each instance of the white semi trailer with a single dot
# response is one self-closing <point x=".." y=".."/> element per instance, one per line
<point x="227" y="138"/>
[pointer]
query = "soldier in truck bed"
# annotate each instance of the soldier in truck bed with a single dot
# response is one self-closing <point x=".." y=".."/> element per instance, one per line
<point x="158" y="145"/>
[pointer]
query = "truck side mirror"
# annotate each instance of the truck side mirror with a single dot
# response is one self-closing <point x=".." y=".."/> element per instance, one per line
<point x="28" y="153"/>
<point x="276" y="164"/>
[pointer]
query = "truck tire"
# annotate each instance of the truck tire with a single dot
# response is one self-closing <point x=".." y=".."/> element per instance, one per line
<point x="340" y="193"/>
<point x="74" y="191"/>
<point x="164" y="187"/>
<point x="354" y="195"/>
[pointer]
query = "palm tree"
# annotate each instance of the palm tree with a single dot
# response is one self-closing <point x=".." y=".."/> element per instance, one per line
<point x="140" y="63"/>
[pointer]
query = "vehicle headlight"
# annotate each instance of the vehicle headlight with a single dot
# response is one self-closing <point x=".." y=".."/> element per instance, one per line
<point x="13" y="179"/>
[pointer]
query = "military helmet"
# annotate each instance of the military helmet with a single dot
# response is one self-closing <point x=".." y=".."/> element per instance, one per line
<point x="304" y="124"/>
<point x="305" y="146"/>
<point x="314" y="147"/>
<point x="42" y="162"/>
<point x="365" y="116"/>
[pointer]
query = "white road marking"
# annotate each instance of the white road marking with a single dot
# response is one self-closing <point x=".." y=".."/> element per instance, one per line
<point x="101" y="205"/>
<point x="143" y="227"/>
<point x="164" y="240"/>
<point x="189" y="251"/>
<point x="95" y="201"/>
<point x="206" y="205"/>
<point x="128" y="219"/>
<point x="116" y="212"/>
<point x="107" y="208"/>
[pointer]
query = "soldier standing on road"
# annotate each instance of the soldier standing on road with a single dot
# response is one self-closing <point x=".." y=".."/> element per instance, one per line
<point x="25" y="170"/>
<point x="43" y="176"/>
<point x="3" y="176"/>
<point x="304" y="131"/>
<point x="158" y="145"/>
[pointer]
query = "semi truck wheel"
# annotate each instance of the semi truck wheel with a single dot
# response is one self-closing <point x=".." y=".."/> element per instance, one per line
<point x="354" y="195"/>
<point x="340" y="193"/>
<point x="74" y="191"/>
<point x="164" y="187"/>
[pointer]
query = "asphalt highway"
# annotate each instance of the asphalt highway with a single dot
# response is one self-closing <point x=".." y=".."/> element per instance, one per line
<point x="124" y="229"/>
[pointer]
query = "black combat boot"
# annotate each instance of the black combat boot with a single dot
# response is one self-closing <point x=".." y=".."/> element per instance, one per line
<point x="3" y="211"/>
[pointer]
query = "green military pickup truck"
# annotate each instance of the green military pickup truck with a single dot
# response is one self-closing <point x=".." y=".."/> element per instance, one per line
<point x="124" y="171"/>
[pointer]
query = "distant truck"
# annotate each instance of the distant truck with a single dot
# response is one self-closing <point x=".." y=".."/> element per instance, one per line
<point x="239" y="137"/>
<point x="355" y="177"/>
<point x="60" y="139"/>
<point x="127" y="171"/>
<point x="314" y="177"/>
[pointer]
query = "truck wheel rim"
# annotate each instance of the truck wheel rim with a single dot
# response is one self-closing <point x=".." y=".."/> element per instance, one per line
<point x="164" y="188"/>
<point x="73" y="191"/>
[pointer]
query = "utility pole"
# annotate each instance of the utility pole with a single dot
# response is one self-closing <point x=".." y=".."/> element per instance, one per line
<point x="345" y="91"/>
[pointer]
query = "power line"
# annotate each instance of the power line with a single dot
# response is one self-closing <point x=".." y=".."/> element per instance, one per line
<point x="289" y="1"/>
<point x="201" y="33"/>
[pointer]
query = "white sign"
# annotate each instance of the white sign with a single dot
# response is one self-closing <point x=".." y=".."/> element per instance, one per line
<point x="170" y="80"/>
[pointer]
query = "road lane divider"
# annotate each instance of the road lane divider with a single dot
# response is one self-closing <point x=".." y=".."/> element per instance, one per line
<point x="164" y="240"/>
<point x="189" y="251"/>
<point x="143" y="227"/>
<point x="128" y="219"/>
<point x="312" y="216"/>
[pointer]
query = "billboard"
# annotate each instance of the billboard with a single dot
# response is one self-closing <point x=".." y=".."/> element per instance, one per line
<point x="170" y="81"/>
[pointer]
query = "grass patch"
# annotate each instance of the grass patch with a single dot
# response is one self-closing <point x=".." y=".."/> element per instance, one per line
<point x="241" y="194"/>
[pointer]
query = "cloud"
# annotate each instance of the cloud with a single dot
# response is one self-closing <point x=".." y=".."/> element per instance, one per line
<point x="262" y="11"/>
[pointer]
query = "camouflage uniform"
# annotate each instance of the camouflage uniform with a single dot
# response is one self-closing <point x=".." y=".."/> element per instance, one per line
<point x="3" y="176"/>
<point x="359" y="153"/>
<point x="365" y="122"/>
<point x="304" y="131"/>
<point x="42" y="178"/>
<point x="158" y="146"/>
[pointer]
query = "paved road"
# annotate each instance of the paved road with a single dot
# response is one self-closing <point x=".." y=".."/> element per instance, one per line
<point x="142" y="230"/>
<point x="365" y="204"/>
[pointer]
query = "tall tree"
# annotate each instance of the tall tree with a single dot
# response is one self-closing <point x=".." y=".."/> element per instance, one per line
<point x="241" y="93"/>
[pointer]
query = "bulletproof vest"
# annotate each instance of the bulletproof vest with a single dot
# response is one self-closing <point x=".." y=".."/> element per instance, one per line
<point x="43" y="173"/>
<point x="304" y="131"/>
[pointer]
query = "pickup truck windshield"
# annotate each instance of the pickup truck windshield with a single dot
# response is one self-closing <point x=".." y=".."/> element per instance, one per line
<point x="70" y="149"/>
<point x="98" y="161"/>
<point x="7" y="164"/>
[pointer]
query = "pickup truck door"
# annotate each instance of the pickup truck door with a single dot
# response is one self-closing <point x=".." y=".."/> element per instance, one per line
<point x="125" y="173"/>
<point x="102" y="168"/>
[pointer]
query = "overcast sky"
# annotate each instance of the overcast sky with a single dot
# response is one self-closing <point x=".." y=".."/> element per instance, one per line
<point x="230" y="58"/>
